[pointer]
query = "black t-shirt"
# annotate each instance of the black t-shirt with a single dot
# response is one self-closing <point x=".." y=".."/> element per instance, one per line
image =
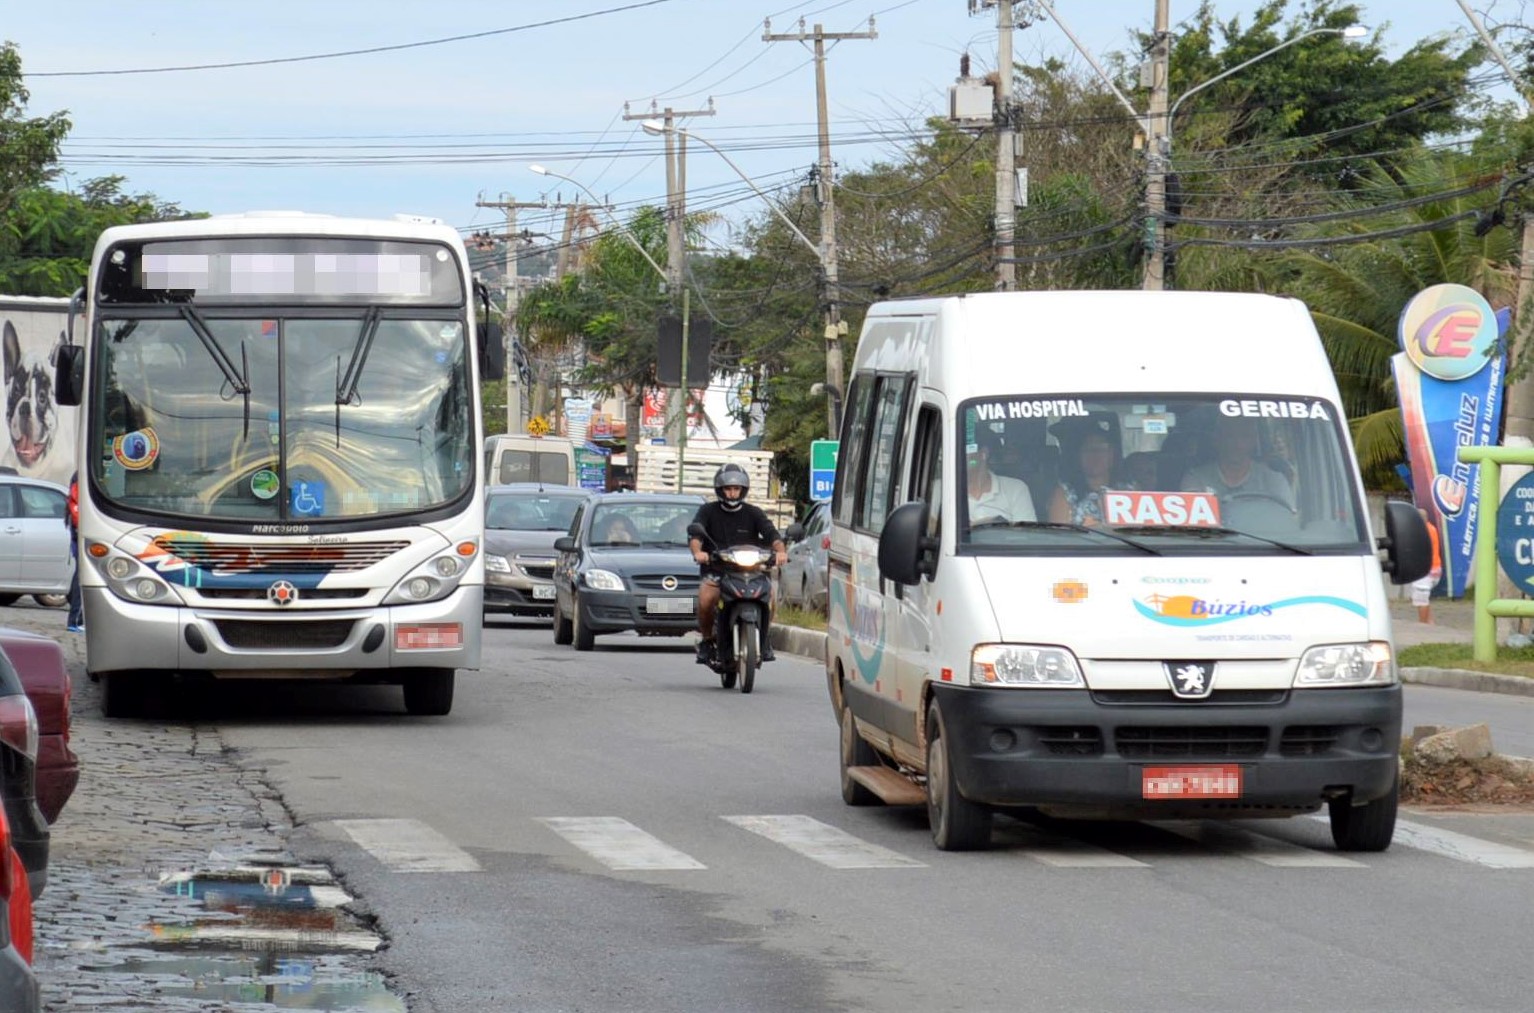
<point x="747" y="526"/>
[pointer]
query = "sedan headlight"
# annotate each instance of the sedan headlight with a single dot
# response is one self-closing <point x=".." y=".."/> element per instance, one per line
<point x="603" y="580"/>
<point x="497" y="564"/>
<point x="1346" y="665"/>
<point x="1025" y="665"/>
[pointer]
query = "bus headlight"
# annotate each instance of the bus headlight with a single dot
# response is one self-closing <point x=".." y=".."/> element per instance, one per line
<point x="1025" y="665"/>
<point x="131" y="580"/>
<point x="120" y="567"/>
<point x="1346" y="665"/>
<point x="437" y="577"/>
<point x="448" y="566"/>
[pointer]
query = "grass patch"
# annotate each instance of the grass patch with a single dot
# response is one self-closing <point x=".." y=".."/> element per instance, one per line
<point x="1510" y="660"/>
<point x="787" y="615"/>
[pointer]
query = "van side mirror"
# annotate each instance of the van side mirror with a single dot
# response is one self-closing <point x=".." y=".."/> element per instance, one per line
<point x="906" y="552"/>
<point x="564" y="543"/>
<point x="1408" y="552"/>
<point x="68" y="375"/>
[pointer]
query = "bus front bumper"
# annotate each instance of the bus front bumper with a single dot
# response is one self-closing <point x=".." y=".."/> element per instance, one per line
<point x="123" y="635"/>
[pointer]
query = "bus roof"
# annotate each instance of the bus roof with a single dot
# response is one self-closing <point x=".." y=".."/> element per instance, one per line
<point x="285" y="223"/>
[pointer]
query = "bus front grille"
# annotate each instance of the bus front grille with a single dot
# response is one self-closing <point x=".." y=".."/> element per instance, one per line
<point x="314" y="635"/>
<point x="241" y="557"/>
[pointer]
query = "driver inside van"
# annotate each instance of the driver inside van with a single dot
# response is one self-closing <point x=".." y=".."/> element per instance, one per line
<point x="1236" y="470"/>
<point x="994" y="498"/>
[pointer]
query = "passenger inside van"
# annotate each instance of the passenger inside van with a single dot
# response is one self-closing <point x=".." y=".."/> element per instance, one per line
<point x="994" y="498"/>
<point x="1090" y="461"/>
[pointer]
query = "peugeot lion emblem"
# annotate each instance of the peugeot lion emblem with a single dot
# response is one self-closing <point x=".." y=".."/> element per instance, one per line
<point x="1191" y="680"/>
<point x="668" y="582"/>
<point x="282" y="593"/>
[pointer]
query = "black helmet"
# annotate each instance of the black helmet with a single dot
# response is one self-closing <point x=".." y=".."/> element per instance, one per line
<point x="731" y="474"/>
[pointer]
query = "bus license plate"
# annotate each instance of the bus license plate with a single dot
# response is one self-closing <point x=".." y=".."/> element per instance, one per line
<point x="543" y="592"/>
<point x="669" y="606"/>
<point x="428" y="636"/>
<point x="1212" y="781"/>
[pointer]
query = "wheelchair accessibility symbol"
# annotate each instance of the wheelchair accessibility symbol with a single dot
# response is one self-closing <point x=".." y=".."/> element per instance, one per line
<point x="307" y="499"/>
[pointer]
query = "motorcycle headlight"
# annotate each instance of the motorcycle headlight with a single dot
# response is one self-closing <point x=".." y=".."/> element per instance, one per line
<point x="1036" y="665"/>
<point x="1346" y="665"/>
<point x="603" y="580"/>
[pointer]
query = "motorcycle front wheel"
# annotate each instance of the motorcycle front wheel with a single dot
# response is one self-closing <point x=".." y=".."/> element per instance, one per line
<point x="746" y="660"/>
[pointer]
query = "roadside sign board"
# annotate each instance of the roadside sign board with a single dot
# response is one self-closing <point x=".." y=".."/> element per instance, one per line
<point x="1515" y="533"/>
<point x="822" y="468"/>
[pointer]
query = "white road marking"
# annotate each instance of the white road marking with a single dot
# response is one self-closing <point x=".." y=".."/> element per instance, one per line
<point x="409" y="846"/>
<point x="1462" y="847"/>
<point x="618" y="844"/>
<point x="824" y="843"/>
<point x="1256" y="846"/>
<point x="1078" y="855"/>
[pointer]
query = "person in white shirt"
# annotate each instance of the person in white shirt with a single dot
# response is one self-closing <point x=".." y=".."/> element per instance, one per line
<point x="1235" y="471"/>
<point x="994" y="498"/>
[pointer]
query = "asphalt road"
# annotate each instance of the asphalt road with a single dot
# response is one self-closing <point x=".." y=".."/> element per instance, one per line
<point x="612" y="831"/>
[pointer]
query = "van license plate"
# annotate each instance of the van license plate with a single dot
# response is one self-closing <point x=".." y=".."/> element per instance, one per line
<point x="1213" y="781"/>
<point x="543" y="592"/>
<point x="669" y="606"/>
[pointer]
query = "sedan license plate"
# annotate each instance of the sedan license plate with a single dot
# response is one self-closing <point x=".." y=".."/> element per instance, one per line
<point x="543" y="592"/>
<point x="1201" y="781"/>
<point x="669" y="606"/>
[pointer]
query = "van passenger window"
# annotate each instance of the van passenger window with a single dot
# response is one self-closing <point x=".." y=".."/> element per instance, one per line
<point x="885" y="446"/>
<point x="849" y="464"/>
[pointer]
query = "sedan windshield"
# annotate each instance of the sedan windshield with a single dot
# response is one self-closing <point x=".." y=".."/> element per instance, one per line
<point x="1157" y="474"/>
<point x="282" y="417"/>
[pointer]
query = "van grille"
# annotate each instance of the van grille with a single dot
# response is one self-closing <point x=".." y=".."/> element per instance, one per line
<point x="1307" y="740"/>
<point x="239" y="557"/>
<point x="316" y="635"/>
<point x="1190" y="742"/>
<point x="1083" y="740"/>
<point x="1165" y="697"/>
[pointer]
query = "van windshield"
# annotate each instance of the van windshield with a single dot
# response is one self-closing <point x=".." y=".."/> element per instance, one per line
<point x="1172" y="474"/>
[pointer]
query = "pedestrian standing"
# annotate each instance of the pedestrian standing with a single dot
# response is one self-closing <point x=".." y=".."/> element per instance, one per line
<point x="72" y="522"/>
<point x="1422" y="589"/>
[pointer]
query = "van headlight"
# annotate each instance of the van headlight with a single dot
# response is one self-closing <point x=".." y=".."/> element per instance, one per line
<point x="1025" y="665"/>
<point x="1347" y="665"/>
<point x="436" y="578"/>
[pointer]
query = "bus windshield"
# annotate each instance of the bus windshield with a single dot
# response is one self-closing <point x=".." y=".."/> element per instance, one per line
<point x="282" y="414"/>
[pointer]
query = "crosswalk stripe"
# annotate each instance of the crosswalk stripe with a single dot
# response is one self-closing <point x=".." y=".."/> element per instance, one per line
<point x="824" y="843"/>
<point x="1059" y="852"/>
<point x="618" y="844"/>
<point x="1256" y="846"/>
<point x="1462" y="847"/>
<point x="408" y="846"/>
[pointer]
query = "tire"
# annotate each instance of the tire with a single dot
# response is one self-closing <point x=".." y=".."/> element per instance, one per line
<point x="727" y="678"/>
<point x="582" y="635"/>
<point x="957" y="823"/>
<point x="563" y="631"/>
<point x="1367" y="827"/>
<point x="747" y="638"/>
<point x="51" y="601"/>
<point x="855" y="753"/>
<point x="429" y="691"/>
<point x="120" y="697"/>
<point x="9" y="599"/>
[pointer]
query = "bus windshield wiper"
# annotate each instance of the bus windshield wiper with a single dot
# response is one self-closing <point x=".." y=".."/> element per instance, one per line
<point x="1203" y="530"/>
<point x="234" y="377"/>
<point x="1086" y="529"/>
<point x="346" y="389"/>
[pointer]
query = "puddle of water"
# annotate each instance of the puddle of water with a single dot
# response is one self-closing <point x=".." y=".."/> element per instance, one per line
<point x="287" y="910"/>
<point x="285" y="982"/>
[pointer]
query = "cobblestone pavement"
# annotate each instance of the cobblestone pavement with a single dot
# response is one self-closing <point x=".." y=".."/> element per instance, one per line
<point x="157" y="798"/>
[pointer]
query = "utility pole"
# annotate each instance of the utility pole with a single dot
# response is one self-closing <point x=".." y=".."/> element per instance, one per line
<point x="509" y="315"/>
<point x="1155" y="158"/>
<point x="1006" y="152"/>
<point x="676" y="220"/>
<point x="832" y="299"/>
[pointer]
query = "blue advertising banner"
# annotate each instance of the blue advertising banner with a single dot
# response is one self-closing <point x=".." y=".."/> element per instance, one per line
<point x="1449" y="379"/>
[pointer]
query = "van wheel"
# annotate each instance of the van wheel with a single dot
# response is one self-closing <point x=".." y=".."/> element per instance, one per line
<point x="563" y="632"/>
<point x="1367" y="827"/>
<point x="429" y="691"/>
<point x="855" y="753"/>
<point x="957" y="823"/>
<point x="584" y="638"/>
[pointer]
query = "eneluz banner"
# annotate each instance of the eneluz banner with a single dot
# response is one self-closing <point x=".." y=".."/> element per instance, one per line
<point x="1449" y="378"/>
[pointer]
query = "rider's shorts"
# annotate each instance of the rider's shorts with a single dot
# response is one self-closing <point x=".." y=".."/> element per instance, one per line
<point x="709" y="577"/>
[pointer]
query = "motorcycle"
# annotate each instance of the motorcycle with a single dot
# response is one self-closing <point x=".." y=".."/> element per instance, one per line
<point x="740" y="622"/>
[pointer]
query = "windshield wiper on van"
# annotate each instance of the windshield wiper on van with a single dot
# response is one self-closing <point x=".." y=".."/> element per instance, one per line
<point x="1087" y="529"/>
<point x="1204" y="530"/>
<point x="235" y="378"/>
<point x="346" y="385"/>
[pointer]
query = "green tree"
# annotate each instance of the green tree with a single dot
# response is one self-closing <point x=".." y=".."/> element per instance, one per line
<point x="29" y="147"/>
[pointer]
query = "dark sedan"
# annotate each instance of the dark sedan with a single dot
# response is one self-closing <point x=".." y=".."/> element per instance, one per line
<point x="522" y="520"/>
<point x="625" y="565"/>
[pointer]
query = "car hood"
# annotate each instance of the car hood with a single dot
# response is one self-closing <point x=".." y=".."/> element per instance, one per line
<point x="643" y="560"/>
<point x="509" y="543"/>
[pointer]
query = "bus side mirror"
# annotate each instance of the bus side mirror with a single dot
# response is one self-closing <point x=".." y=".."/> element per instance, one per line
<point x="906" y="552"/>
<point x="68" y="375"/>
<point x="1408" y="553"/>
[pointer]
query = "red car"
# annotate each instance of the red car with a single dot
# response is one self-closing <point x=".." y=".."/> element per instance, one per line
<point x="39" y="661"/>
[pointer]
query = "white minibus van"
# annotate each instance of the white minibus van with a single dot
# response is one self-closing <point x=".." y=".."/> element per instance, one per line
<point x="1107" y="555"/>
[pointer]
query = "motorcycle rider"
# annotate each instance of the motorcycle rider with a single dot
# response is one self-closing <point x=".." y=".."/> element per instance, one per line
<point x="730" y="521"/>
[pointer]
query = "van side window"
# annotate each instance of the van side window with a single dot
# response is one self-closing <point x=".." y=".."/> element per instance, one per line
<point x="926" y="480"/>
<point x="850" y="458"/>
<point x="885" y="444"/>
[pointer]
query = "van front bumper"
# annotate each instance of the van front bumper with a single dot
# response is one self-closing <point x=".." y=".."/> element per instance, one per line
<point x="1068" y="750"/>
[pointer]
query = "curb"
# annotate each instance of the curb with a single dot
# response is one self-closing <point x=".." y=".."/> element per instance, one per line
<point x="811" y="644"/>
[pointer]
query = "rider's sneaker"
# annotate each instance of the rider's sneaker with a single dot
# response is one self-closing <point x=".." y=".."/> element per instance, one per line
<point x="705" y="649"/>
<point x="768" y="654"/>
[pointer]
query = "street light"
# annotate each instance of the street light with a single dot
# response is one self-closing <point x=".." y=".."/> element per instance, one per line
<point x="540" y="170"/>
<point x="833" y="332"/>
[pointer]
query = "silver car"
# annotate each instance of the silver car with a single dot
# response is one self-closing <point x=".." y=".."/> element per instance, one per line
<point x="34" y="541"/>
<point x="802" y="581"/>
<point x="521" y="522"/>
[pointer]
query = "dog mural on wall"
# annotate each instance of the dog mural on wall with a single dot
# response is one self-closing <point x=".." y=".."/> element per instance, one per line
<point x="32" y="417"/>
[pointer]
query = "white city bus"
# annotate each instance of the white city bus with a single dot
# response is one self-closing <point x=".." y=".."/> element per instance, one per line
<point x="279" y="455"/>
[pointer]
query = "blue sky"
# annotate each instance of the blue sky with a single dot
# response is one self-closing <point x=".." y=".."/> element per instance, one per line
<point x="431" y="129"/>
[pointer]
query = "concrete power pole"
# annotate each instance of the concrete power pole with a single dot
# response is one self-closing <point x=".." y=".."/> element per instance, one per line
<point x="834" y="324"/>
<point x="1006" y="152"/>
<point x="1155" y="159"/>
<point x="509" y="315"/>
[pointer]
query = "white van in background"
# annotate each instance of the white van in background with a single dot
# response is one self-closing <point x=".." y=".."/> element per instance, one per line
<point x="1107" y="555"/>
<point x="520" y="457"/>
